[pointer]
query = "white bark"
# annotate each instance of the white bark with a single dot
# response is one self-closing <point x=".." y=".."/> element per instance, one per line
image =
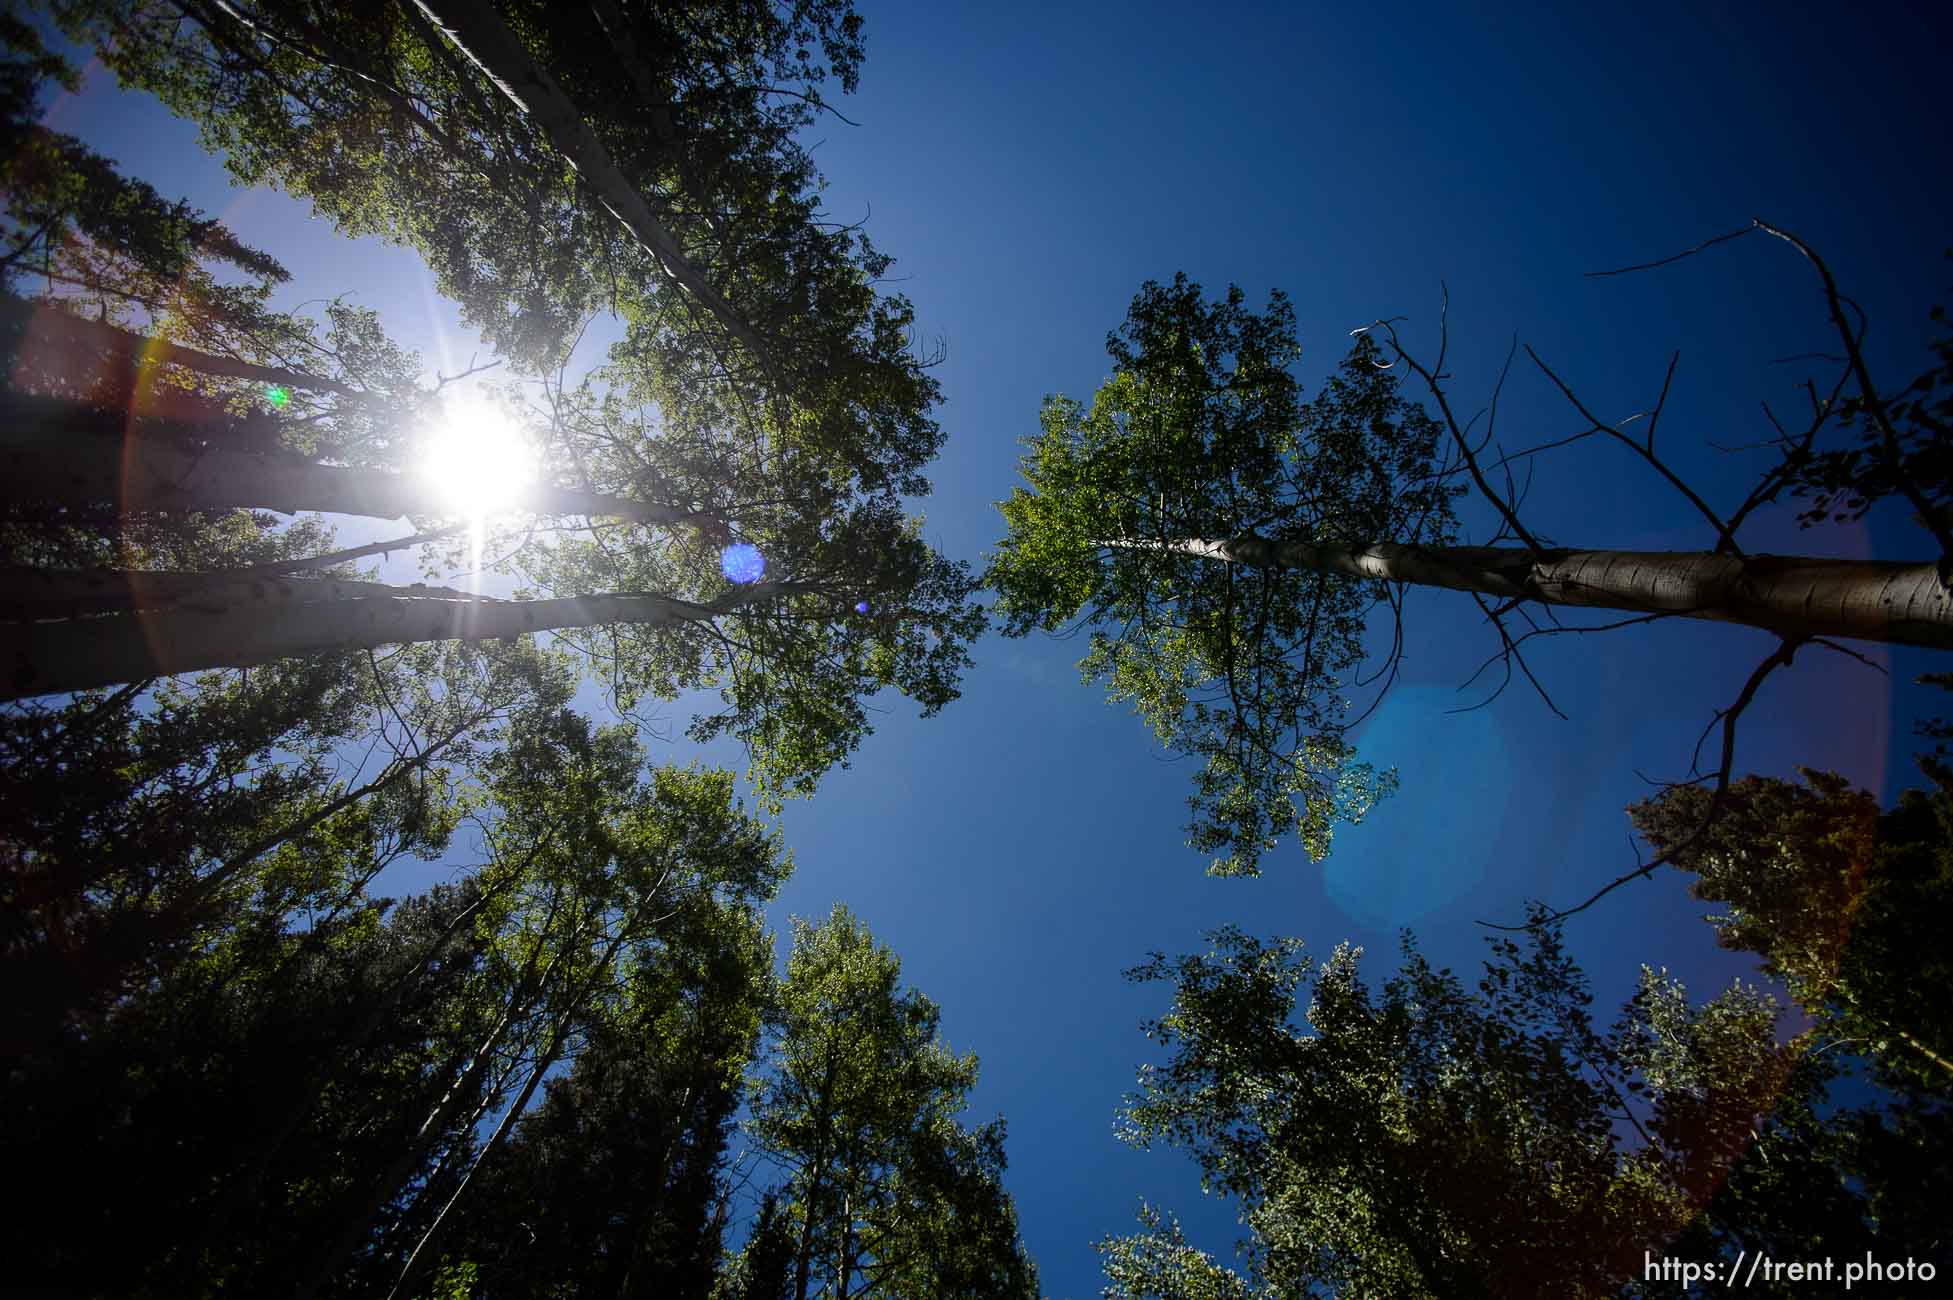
<point x="43" y="658"/>
<point x="485" y="40"/>
<point x="46" y="459"/>
<point x="1873" y="600"/>
<point x="30" y="593"/>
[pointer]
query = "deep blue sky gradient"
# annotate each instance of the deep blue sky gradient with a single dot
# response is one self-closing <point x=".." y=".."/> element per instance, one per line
<point x="1029" y="166"/>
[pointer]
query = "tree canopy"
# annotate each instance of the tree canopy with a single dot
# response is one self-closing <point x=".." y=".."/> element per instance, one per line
<point x="1842" y="902"/>
<point x="1201" y="432"/>
<point x="725" y="499"/>
<point x="188" y="858"/>
<point x="1435" y="1139"/>
<point x="1227" y="543"/>
<point x="886" y="1193"/>
<point x="229" y="1065"/>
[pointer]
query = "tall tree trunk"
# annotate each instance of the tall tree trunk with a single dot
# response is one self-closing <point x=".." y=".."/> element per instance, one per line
<point x="1924" y="1050"/>
<point x="247" y="1177"/>
<point x="78" y="454"/>
<point x="76" y="654"/>
<point x="61" y="333"/>
<point x="27" y="592"/>
<point x="844" y="1258"/>
<point x="1874" y="600"/>
<point x="804" y="1257"/>
<point x="803" y="1262"/>
<point x="558" y="1036"/>
<point x="478" y="31"/>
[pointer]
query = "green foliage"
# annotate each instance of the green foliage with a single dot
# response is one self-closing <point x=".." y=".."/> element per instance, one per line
<point x="1844" y="903"/>
<point x="763" y="1268"/>
<point x="888" y="1194"/>
<point x="455" y="1281"/>
<point x="109" y="248"/>
<point x="1200" y="436"/>
<point x="614" y="1184"/>
<point x="1158" y="1264"/>
<point x="136" y="827"/>
<point x="1439" y="1141"/>
<point x="1847" y="905"/>
<point x="805" y="454"/>
<point x="312" y="1094"/>
<point x="299" y="1081"/>
<point x="1821" y="1180"/>
<point x="60" y="193"/>
<point x="390" y="130"/>
<point x="213" y="1127"/>
<point x="793" y="673"/>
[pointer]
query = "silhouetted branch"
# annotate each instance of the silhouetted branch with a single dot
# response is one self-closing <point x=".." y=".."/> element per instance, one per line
<point x="1505" y="509"/>
<point x="1780" y="658"/>
<point x="1867" y="391"/>
<point x="1646" y="451"/>
<point x="1509" y="653"/>
<point x="1687" y="252"/>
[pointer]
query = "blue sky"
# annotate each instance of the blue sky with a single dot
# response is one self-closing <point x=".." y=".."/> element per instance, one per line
<point x="1029" y="167"/>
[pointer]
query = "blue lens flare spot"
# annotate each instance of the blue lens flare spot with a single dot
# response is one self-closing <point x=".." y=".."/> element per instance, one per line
<point x="861" y="607"/>
<point x="742" y="563"/>
<point x="1392" y="870"/>
<point x="278" y="397"/>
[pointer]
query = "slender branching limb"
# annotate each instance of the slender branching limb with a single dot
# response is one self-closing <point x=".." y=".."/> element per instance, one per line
<point x="1855" y="366"/>
<point x="1506" y="509"/>
<point x="1868" y="392"/>
<point x="1646" y="449"/>
<point x="1667" y="261"/>
<point x="1728" y="718"/>
<point x="1509" y="654"/>
<point x="1846" y="650"/>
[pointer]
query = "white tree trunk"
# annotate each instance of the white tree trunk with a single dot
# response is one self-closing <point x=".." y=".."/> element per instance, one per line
<point x="49" y="462"/>
<point x="55" y="331"/>
<point x="478" y="31"/>
<point x="43" y="658"/>
<point x="1873" y="600"/>
<point x="30" y="593"/>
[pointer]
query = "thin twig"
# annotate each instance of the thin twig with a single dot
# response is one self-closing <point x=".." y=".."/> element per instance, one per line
<point x="1779" y="658"/>
<point x="1687" y="252"/>
<point x="1727" y="542"/>
<point x="1506" y="511"/>
<point x="1510" y="654"/>
<point x="1868" y="393"/>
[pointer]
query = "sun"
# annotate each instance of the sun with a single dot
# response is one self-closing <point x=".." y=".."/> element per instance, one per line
<point x="477" y="460"/>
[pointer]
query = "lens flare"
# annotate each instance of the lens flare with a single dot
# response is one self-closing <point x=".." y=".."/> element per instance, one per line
<point x="742" y="563"/>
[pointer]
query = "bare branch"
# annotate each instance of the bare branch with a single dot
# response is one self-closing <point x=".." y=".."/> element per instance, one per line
<point x="1519" y="530"/>
<point x="132" y="349"/>
<point x="1508" y="654"/>
<point x="328" y="559"/>
<point x="1727" y="543"/>
<point x="1687" y="252"/>
<point x="1780" y="658"/>
<point x="1869" y="393"/>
